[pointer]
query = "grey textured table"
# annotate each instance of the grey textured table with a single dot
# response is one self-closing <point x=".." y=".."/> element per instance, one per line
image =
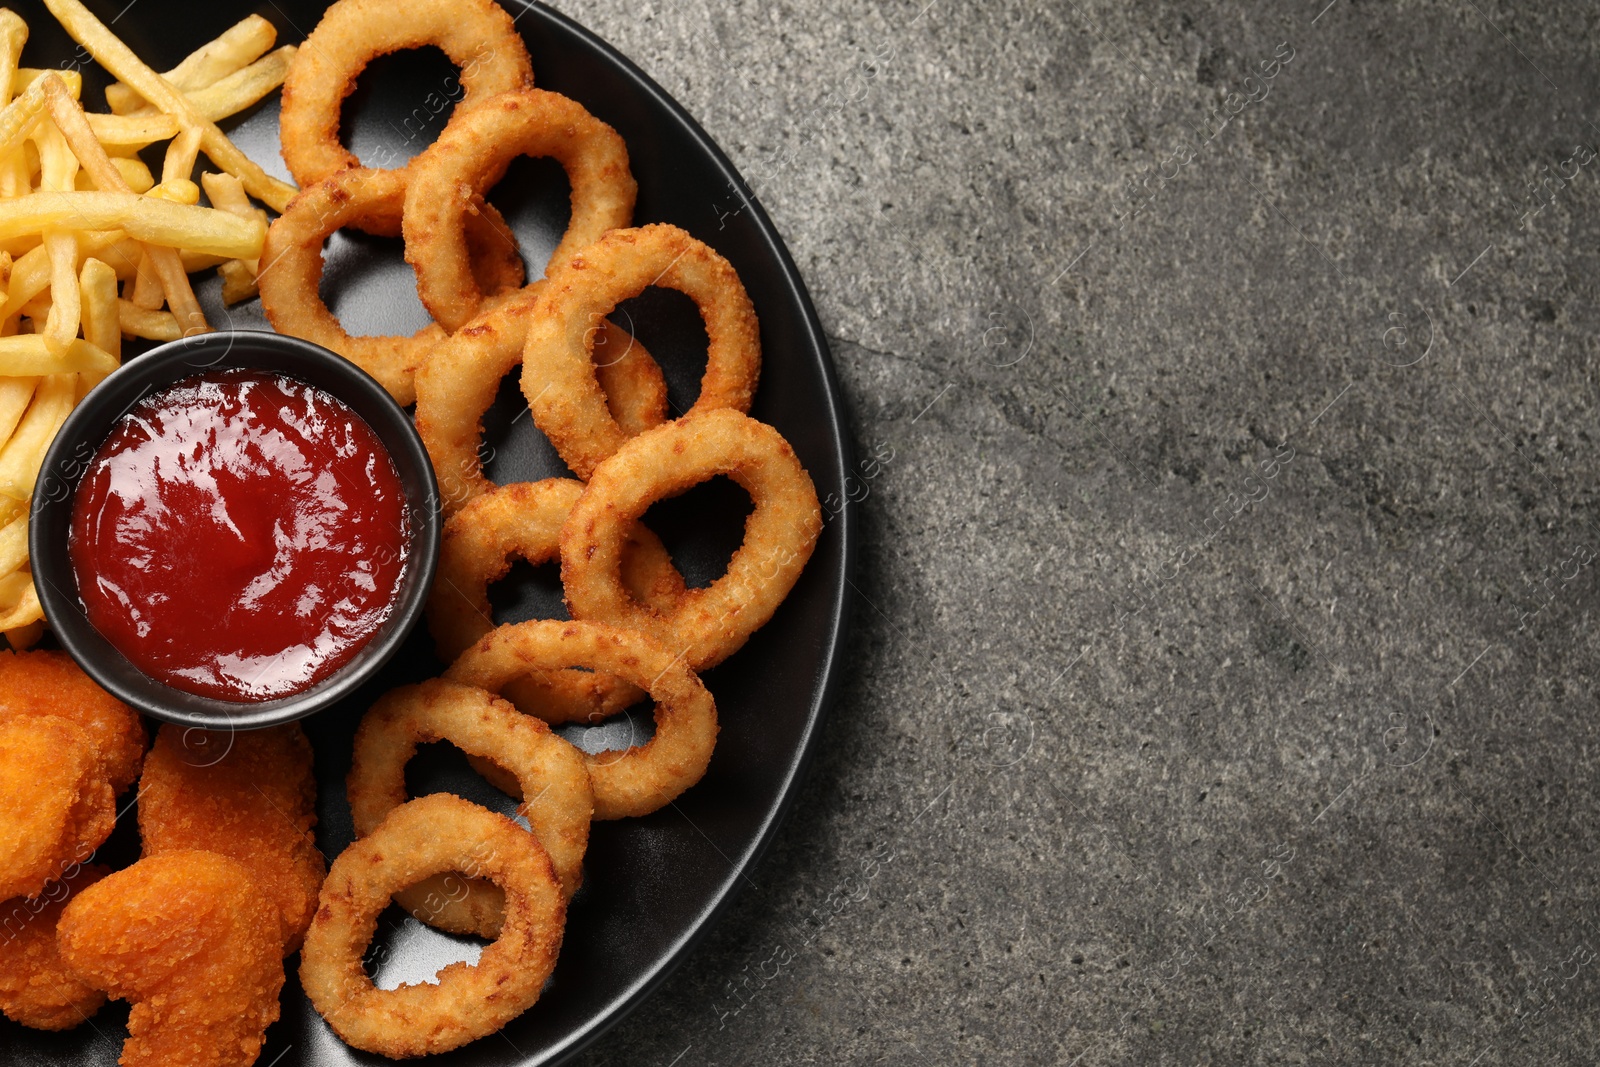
<point x="1223" y="675"/>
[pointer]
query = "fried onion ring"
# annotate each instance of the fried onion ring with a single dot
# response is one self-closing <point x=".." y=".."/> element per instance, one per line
<point x="638" y="780"/>
<point x="472" y="154"/>
<point x="433" y="835"/>
<point x="583" y="288"/>
<point x="524" y="520"/>
<point x="457" y="382"/>
<point x="478" y="35"/>
<point x="708" y="625"/>
<point x="548" y="770"/>
<point x="292" y="264"/>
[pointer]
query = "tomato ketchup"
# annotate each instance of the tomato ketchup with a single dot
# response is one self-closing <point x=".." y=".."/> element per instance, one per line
<point x="240" y="535"/>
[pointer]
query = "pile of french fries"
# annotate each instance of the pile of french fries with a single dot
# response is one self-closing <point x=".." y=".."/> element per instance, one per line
<point x="94" y="248"/>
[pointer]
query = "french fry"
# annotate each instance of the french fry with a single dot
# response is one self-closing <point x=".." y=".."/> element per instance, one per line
<point x="124" y="253"/>
<point x="119" y="59"/>
<point x="30" y="275"/>
<point x="147" y="291"/>
<point x="241" y="89"/>
<point x="13" y="35"/>
<point x="66" y="303"/>
<point x="15" y="395"/>
<point x="74" y="129"/>
<point x="24" y="453"/>
<point x="238" y="282"/>
<point x="135" y="174"/>
<point x="20" y="602"/>
<point x="178" y="190"/>
<point x="22" y="638"/>
<point x="180" y="294"/>
<point x="151" y="325"/>
<point x="27" y="76"/>
<point x="19" y="118"/>
<point x="132" y="131"/>
<point x="37" y="309"/>
<point x="227" y="193"/>
<point x="14" y="543"/>
<point x="98" y="283"/>
<point x="193" y="261"/>
<point x="102" y="327"/>
<point x="181" y="156"/>
<point x="145" y="218"/>
<point x="28" y="354"/>
<point x="59" y="169"/>
<point x="146" y="125"/>
<point x="240" y="44"/>
<point x="14" y="176"/>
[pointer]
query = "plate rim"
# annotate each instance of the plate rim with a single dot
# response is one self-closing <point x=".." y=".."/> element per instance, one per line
<point x="832" y="425"/>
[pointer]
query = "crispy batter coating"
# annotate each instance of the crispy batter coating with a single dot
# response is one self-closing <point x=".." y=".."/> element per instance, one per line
<point x="432" y="835"/>
<point x="36" y="988"/>
<point x="187" y="938"/>
<point x="547" y="769"/>
<point x="636" y="780"/>
<point x="471" y="155"/>
<point x="55" y="809"/>
<point x="49" y="683"/>
<point x="370" y="200"/>
<point x="478" y="36"/>
<point x="704" y="626"/>
<point x="524" y="520"/>
<point x="581" y="289"/>
<point x="457" y="382"/>
<point x="250" y="796"/>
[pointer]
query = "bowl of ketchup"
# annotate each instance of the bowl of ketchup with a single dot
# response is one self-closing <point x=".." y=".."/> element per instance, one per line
<point x="235" y="530"/>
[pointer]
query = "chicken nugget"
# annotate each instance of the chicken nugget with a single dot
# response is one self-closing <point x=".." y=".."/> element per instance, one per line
<point x="55" y="809"/>
<point x="36" y="988"/>
<point x="187" y="938"/>
<point x="250" y="796"/>
<point x="50" y="683"/>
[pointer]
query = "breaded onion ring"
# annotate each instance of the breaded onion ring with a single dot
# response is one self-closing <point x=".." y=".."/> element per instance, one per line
<point x="291" y="270"/>
<point x="524" y="520"/>
<point x="478" y="35"/>
<point x="472" y="154"/>
<point x="36" y="988"/>
<point x="708" y="625"/>
<point x="457" y="382"/>
<point x="189" y="939"/>
<point x="548" y="770"/>
<point x="582" y="289"/>
<point x="638" y="780"/>
<point x="55" y="805"/>
<point x="248" y="795"/>
<point x="433" y="835"/>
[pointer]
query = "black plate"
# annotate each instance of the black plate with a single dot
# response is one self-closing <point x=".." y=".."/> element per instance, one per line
<point x="652" y="885"/>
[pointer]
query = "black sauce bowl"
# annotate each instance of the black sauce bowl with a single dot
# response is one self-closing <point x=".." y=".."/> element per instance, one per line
<point x="68" y="460"/>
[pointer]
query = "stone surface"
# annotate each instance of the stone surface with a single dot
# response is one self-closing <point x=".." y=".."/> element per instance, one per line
<point x="1224" y="666"/>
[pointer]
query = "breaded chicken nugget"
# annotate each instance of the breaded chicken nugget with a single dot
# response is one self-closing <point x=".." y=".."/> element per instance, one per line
<point x="194" y="945"/>
<point x="36" y="988"/>
<point x="249" y="796"/>
<point x="49" y="683"/>
<point x="55" y="809"/>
